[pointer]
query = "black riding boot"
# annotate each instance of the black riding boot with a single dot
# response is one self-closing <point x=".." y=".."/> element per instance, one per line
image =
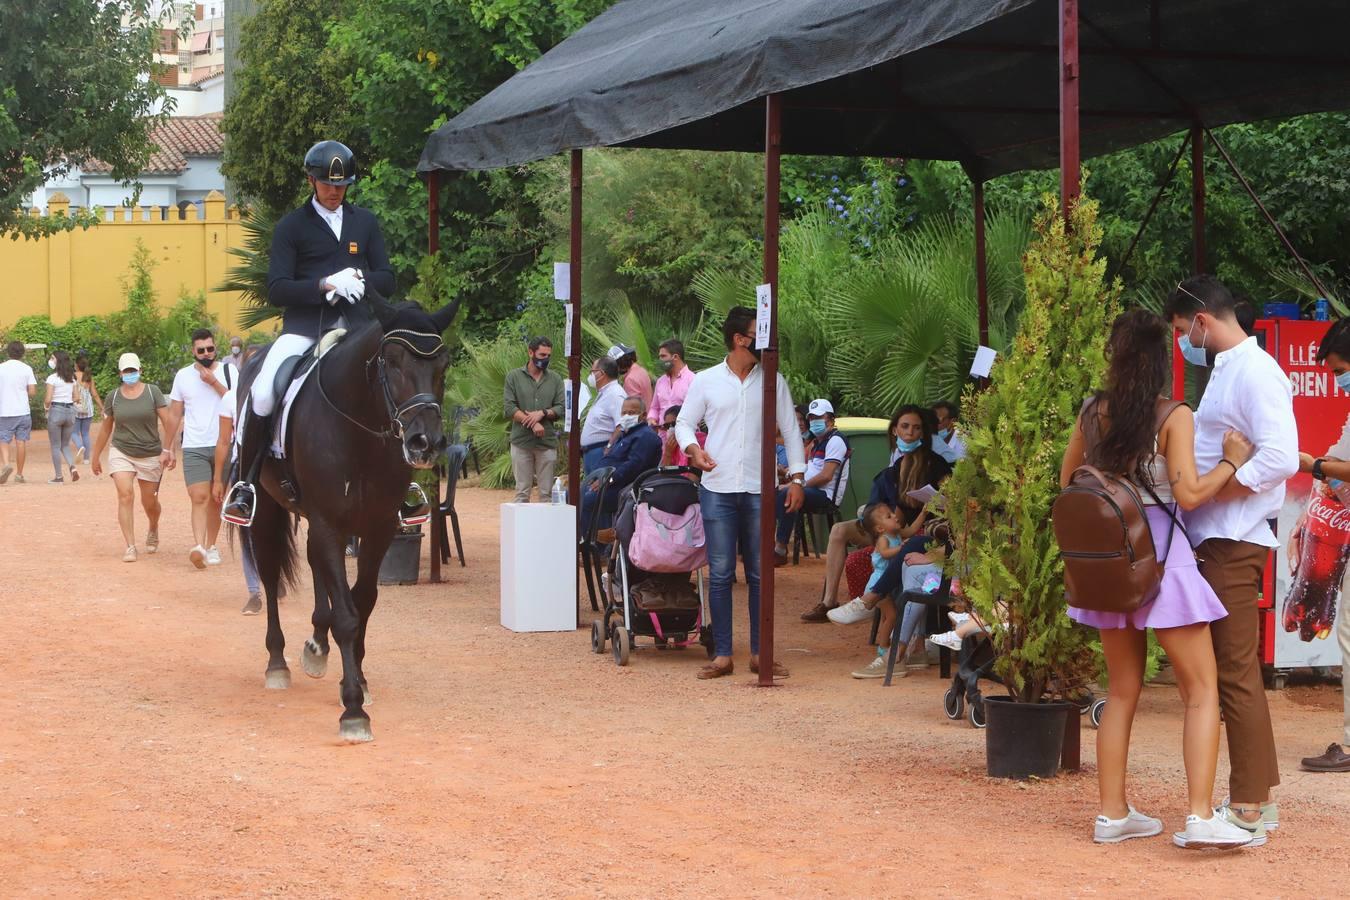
<point x="241" y="502"/>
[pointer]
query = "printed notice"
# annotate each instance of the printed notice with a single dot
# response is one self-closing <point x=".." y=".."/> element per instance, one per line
<point x="763" y="315"/>
<point x="562" y="281"/>
<point x="567" y="331"/>
<point x="984" y="362"/>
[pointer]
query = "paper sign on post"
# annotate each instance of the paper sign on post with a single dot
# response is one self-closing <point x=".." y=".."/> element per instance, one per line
<point x="567" y="407"/>
<point x="567" y="330"/>
<point x="984" y="362"/>
<point x="763" y="315"/>
<point x="562" y="281"/>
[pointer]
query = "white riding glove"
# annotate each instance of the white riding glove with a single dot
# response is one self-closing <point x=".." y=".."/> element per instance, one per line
<point x="347" y="284"/>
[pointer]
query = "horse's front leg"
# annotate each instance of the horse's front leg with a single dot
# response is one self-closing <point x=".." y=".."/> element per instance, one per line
<point x="314" y="656"/>
<point x="325" y="556"/>
<point x="374" y="544"/>
<point x="270" y="539"/>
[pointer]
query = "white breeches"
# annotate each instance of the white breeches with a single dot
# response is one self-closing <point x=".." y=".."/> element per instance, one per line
<point x="264" y="390"/>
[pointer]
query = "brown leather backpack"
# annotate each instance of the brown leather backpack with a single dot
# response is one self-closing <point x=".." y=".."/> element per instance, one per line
<point x="1101" y="523"/>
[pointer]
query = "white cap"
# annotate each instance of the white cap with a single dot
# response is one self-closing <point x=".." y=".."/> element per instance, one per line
<point x="820" y="408"/>
<point x="619" y="351"/>
<point x="128" y="361"/>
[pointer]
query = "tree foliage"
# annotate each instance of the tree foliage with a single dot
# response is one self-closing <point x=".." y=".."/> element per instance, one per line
<point x="74" y="86"/>
<point x="1000" y="495"/>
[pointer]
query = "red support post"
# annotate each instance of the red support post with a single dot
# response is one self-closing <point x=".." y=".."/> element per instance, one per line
<point x="574" y="359"/>
<point x="1069" y="153"/>
<point x="981" y="263"/>
<point x="768" y="472"/>
<point x="1198" y="198"/>
<point x="433" y="247"/>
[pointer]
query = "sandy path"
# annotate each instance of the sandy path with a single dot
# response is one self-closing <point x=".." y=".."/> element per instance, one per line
<point x="147" y="760"/>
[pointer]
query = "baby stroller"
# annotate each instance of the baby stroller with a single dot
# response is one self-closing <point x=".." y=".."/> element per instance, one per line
<point x="659" y="544"/>
<point x="975" y="660"/>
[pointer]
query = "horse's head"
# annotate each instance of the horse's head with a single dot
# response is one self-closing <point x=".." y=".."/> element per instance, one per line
<point x="410" y="366"/>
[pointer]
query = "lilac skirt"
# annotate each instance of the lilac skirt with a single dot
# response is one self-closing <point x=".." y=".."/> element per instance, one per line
<point x="1184" y="598"/>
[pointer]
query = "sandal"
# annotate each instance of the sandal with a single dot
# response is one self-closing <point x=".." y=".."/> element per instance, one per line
<point x="712" y="671"/>
<point x="779" y="670"/>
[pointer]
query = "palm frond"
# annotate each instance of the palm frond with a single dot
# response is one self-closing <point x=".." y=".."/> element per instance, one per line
<point x="249" y="277"/>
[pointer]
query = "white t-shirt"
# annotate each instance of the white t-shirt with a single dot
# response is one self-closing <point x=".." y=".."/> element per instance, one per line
<point x="15" y="377"/>
<point x="835" y="451"/>
<point x="62" y="391"/>
<point x="201" y="425"/>
<point x="226" y="408"/>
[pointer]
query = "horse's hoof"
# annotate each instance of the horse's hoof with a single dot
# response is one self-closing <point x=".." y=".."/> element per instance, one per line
<point x="278" y="679"/>
<point x="314" y="662"/>
<point x="355" y="731"/>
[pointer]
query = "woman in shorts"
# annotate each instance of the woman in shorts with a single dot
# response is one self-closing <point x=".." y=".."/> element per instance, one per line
<point x="133" y="416"/>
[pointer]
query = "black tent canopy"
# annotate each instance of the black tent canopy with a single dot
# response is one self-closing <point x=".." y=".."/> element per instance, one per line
<point x="969" y="80"/>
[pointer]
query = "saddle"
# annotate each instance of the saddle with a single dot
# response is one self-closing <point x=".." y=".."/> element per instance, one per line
<point x="291" y="375"/>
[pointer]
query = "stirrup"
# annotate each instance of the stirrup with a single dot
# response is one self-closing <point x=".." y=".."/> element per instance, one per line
<point x="416" y="509"/>
<point x="242" y="494"/>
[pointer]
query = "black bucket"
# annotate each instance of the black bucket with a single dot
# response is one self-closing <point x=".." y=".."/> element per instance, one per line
<point x="1023" y="740"/>
<point x="401" y="564"/>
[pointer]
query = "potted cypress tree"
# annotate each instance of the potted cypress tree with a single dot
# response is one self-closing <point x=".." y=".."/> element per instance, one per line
<point x="999" y="498"/>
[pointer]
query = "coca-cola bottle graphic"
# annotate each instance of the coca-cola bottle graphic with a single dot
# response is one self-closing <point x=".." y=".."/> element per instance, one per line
<point x="1324" y="551"/>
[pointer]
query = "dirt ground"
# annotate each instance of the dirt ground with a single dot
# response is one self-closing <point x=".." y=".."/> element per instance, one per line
<point x="146" y="758"/>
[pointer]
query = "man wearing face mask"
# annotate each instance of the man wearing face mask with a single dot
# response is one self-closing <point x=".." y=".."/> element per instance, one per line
<point x="603" y="414"/>
<point x="1249" y="393"/>
<point x="829" y="452"/>
<point x="193" y="404"/>
<point x="533" y="400"/>
<point x="673" y="384"/>
<point x="236" y="351"/>
<point x="634" y="378"/>
<point x="948" y="432"/>
<point x="636" y="447"/>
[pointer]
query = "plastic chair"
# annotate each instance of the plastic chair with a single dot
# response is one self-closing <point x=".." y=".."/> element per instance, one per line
<point x="591" y="563"/>
<point x="454" y="462"/>
<point x="806" y="521"/>
<point x="937" y="604"/>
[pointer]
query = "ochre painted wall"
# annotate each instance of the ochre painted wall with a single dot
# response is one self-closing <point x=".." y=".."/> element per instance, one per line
<point x="81" y="273"/>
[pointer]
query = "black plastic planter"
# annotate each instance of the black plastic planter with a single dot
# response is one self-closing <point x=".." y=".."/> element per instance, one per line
<point x="1023" y="740"/>
<point x="403" y="561"/>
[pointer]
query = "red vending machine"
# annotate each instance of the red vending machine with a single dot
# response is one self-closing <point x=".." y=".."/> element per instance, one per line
<point x="1302" y="593"/>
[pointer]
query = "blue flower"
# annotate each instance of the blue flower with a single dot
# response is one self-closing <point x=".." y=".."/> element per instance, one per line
<point x="848" y="198"/>
<point x="798" y="199"/>
<point x="834" y="190"/>
<point x="902" y="182"/>
<point x="844" y="214"/>
<point x="834" y="177"/>
<point x="874" y="182"/>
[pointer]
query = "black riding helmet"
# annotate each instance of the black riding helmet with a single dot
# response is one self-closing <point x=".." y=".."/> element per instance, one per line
<point x="330" y="162"/>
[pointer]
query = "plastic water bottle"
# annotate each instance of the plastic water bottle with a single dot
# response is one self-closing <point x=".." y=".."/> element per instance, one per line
<point x="1322" y="310"/>
<point x="559" y="492"/>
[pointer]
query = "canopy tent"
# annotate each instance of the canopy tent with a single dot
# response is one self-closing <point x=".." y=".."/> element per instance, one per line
<point x="998" y="85"/>
<point x="968" y="80"/>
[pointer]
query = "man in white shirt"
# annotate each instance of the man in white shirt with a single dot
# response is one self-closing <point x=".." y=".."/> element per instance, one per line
<point x="729" y="398"/>
<point x="604" y="412"/>
<point x="829" y="459"/>
<point x="193" y="405"/>
<point x="1332" y="473"/>
<point x="948" y="412"/>
<point x="1247" y="392"/>
<point x="17" y="388"/>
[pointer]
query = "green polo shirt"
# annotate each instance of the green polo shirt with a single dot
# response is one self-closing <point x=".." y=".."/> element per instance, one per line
<point x="523" y="393"/>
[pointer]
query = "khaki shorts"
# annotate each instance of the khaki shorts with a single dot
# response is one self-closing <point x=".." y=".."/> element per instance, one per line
<point x="199" y="464"/>
<point x="145" y="468"/>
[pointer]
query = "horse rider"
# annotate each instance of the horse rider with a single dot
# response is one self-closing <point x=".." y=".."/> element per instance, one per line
<point x="323" y="255"/>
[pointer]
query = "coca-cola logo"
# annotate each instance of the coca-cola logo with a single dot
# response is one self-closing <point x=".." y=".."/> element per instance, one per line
<point x="1333" y="516"/>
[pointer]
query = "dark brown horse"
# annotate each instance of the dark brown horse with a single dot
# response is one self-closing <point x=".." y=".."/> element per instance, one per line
<point x="367" y="416"/>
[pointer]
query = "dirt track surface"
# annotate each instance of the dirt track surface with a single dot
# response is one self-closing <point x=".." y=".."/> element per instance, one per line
<point x="144" y="757"/>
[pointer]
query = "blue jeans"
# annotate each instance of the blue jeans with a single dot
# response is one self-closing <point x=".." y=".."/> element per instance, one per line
<point x="82" y="434"/>
<point x="816" y="500"/>
<point x="730" y="520"/>
<point x="246" y="557"/>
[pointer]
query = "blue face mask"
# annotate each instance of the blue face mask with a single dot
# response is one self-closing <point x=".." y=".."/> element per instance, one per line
<point x="1194" y="355"/>
<point x="946" y="435"/>
<point x="817" y="427"/>
<point x="131" y="377"/>
<point x="1343" y="381"/>
<point x="908" y="446"/>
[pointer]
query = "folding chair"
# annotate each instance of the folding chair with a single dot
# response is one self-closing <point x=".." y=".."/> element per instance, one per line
<point x="591" y="564"/>
<point x="454" y="462"/>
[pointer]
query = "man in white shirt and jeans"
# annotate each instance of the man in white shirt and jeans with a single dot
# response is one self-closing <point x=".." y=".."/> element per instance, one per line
<point x="604" y="412"/>
<point x="1247" y="392"/>
<point x="193" y="403"/>
<point x="17" y="388"/>
<point x="729" y="398"/>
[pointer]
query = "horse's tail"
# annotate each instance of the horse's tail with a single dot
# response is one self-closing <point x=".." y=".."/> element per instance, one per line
<point x="286" y="549"/>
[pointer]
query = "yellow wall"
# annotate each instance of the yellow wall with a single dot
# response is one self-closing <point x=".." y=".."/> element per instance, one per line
<point x="80" y="273"/>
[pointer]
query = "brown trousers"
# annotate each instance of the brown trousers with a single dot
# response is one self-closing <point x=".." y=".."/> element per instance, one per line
<point x="1235" y="569"/>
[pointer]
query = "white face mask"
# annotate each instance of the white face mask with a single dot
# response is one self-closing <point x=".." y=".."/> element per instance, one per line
<point x="628" y="421"/>
<point x="590" y="379"/>
<point x="51" y="362"/>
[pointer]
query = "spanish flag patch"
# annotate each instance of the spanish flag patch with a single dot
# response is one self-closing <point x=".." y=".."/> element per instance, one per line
<point x="351" y="248"/>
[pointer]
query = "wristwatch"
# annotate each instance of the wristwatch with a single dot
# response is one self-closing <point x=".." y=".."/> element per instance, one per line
<point x="799" y="478"/>
<point x="1317" y="470"/>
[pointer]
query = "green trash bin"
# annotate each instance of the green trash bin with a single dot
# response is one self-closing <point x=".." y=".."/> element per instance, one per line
<point x="867" y="439"/>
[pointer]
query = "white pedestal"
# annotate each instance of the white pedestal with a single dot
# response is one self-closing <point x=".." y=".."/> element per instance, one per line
<point x="539" y="567"/>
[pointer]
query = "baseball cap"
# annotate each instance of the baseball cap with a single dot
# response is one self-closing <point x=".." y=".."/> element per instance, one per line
<point x="128" y="361"/>
<point x="820" y="408"/>
<point x="618" y="351"/>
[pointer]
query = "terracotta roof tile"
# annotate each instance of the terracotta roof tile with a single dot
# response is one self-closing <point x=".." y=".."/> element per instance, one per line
<point x="175" y="140"/>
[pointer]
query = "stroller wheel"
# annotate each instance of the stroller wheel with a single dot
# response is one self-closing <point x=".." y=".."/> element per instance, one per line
<point x="1095" y="714"/>
<point x="705" y="638"/>
<point x="597" y="638"/>
<point x="623" y="645"/>
<point x="954" y="703"/>
<point x="976" y="713"/>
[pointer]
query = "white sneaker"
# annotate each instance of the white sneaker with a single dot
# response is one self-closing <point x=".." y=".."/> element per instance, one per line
<point x="1134" y="825"/>
<point x="948" y="639"/>
<point x="875" y="669"/>
<point x="197" y="556"/>
<point x="79" y="456"/>
<point x="1215" y="833"/>
<point x="850" y="613"/>
<point x="212" y="556"/>
<point x="1270" y="813"/>
<point x="957" y="618"/>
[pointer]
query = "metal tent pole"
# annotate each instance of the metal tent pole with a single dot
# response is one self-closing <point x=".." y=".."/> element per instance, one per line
<point x="1198" y="198"/>
<point x="768" y="472"/>
<point x="981" y="263"/>
<point x="1069" y="151"/>
<point x="433" y="247"/>
<point x="574" y="360"/>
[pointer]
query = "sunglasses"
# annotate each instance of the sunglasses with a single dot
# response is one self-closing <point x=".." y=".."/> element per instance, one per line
<point x="200" y="350"/>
